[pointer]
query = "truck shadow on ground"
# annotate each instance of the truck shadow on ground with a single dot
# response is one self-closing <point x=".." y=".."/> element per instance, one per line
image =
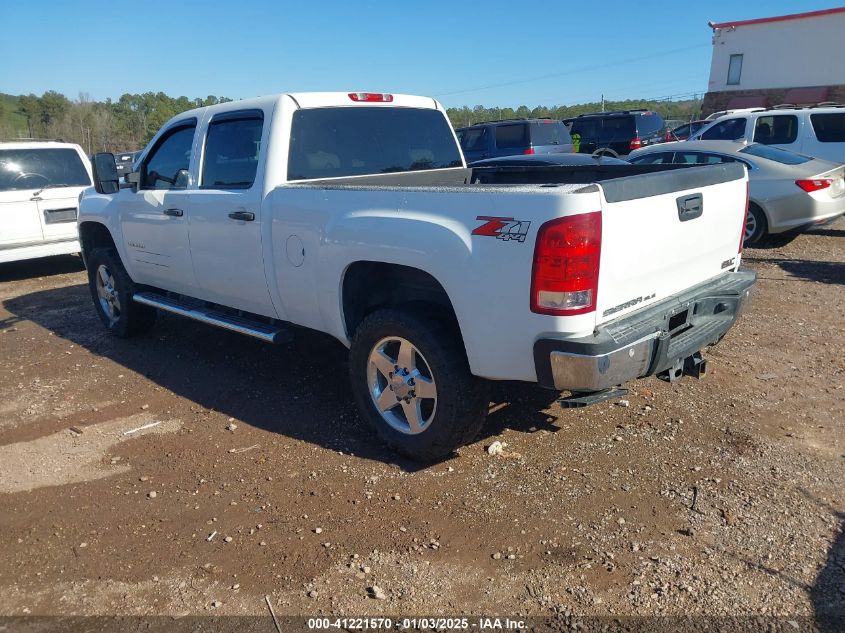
<point x="300" y="390"/>
<point x="822" y="272"/>
<point x="42" y="267"/>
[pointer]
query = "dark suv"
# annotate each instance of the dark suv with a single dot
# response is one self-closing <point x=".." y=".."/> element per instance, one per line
<point x="518" y="136"/>
<point x="617" y="133"/>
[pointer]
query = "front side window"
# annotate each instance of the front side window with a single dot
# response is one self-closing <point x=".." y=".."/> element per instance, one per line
<point x="232" y="144"/>
<point x="337" y="142"/>
<point x="730" y="130"/>
<point x="829" y="127"/>
<point x="778" y="129"/>
<point x="170" y="156"/>
<point x="36" y="168"/>
<point x="734" y="70"/>
<point x="511" y="136"/>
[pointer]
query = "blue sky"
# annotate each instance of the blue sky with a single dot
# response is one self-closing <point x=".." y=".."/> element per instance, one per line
<point x="464" y="53"/>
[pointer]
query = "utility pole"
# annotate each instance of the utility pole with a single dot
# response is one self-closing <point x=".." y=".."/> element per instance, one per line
<point x="602" y="102"/>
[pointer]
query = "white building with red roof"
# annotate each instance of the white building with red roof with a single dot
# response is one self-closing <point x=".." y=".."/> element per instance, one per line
<point x="797" y="59"/>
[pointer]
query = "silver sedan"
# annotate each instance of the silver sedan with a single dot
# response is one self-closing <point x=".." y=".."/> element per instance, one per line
<point x="787" y="191"/>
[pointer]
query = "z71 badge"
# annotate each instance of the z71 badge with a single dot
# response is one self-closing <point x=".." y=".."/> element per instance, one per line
<point x="503" y="228"/>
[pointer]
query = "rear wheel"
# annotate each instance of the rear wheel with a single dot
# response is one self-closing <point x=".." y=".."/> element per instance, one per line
<point x="412" y="383"/>
<point x="112" y="290"/>
<point x="756" y="226"/>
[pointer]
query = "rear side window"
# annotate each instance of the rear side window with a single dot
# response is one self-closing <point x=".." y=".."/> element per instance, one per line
<point x="776" y="154"/>
<point x="702" y="158"/>
<point x="658" y="158"/>
<point x="171" y="155"/>
<point x="586" y="128"/>
<point x="232" y="144"/>
<point x="549" y="133"/>
<point x="474" y="139"/>
<point x="730" y="130"/>
<point x="35" y="168"/>
<point x="617" y="129"/>
<point x="512" y="136"/>
<point x="830" y="127"/>
<point x="356" y="141"/>
<point x="779" y="129"/>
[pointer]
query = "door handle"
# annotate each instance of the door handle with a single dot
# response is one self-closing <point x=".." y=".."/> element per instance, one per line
<point x="176" y="213"/>
<point x="246" y="216"/>
<point x="690" y="207"/>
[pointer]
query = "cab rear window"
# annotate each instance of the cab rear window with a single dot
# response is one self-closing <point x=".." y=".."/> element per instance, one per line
<point x="36" y="168"/>
<point x="357" y="141"/>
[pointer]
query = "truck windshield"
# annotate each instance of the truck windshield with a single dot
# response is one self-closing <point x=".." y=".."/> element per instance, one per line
<point x="37" y="168"/>
<point x="356" y="141"/>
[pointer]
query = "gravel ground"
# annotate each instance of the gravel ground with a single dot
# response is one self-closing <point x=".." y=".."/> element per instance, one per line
<point x="715" y="497"/>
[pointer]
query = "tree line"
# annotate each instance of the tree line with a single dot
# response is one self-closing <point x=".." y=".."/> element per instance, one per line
<point x="130" y="122"/>
<point x="123" y="125"/>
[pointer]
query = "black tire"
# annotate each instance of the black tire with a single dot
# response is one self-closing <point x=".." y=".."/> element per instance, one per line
<point x="131" y="319"/>
<point x="761" y="225"/>
<point x="462" y="399"/>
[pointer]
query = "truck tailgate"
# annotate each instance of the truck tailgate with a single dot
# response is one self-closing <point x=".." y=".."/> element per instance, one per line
<point x="665" y="232"/>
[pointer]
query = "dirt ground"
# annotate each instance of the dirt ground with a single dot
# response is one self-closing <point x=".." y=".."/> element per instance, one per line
<point x="718" y="496"/>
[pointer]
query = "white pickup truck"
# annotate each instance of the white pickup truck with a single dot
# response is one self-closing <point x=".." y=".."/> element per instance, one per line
<point x="354" y="214"/>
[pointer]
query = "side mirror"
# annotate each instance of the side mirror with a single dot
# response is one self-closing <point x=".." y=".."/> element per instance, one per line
<point x="182" y="179"/>
<point x="133" y="178"/>
<point x="106" y="179"/>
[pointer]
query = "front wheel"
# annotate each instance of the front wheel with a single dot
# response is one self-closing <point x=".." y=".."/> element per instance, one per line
<point x="412" y="383"/>
<point x="112" y="290"/>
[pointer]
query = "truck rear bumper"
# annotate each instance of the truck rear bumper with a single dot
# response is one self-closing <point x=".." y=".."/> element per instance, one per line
<point x="646" y="342"/>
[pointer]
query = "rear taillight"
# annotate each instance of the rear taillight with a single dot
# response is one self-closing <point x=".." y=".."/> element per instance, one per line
<point x="636" y="143"/>
<point x="530" y="150"/>
<point x="371" y="96"/>
<point x="565" y="277"/>
<point x="814" y="184"/>
<point x="744" y="222"/>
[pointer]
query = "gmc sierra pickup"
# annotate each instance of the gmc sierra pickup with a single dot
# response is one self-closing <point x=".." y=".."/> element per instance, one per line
<point x="354" y="214"/>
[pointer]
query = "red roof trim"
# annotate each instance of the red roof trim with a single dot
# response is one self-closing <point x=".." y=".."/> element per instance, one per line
<point x="780" y="18"/>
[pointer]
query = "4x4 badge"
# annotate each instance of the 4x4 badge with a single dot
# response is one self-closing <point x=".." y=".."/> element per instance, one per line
<point x="503" y="228"/>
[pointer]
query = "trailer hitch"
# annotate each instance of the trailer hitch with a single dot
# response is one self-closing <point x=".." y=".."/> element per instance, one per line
<point x="695" y="366"/>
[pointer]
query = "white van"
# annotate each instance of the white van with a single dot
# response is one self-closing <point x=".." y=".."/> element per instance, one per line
<point x="40" y="183"/>
<point x="815" y="131"/>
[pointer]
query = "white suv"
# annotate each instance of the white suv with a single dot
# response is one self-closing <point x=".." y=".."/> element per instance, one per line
<point x="40" y="183"/>
<point x="815" y="131"/>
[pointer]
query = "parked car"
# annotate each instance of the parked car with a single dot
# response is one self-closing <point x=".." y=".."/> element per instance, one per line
<point x="518" y="136"/>
<point x="683" y="132"/>
<point x="786" y="191"/>
<point x="357" y="217"/>
<point x="617" y="133"/>
<point x="816" y="131"/>
<point x="40" y="183"/>
<point x="124" y="161"/>
<point x="720" y="113"/>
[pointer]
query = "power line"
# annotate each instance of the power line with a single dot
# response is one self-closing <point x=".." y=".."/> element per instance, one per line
<point x="571" y="72"/>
